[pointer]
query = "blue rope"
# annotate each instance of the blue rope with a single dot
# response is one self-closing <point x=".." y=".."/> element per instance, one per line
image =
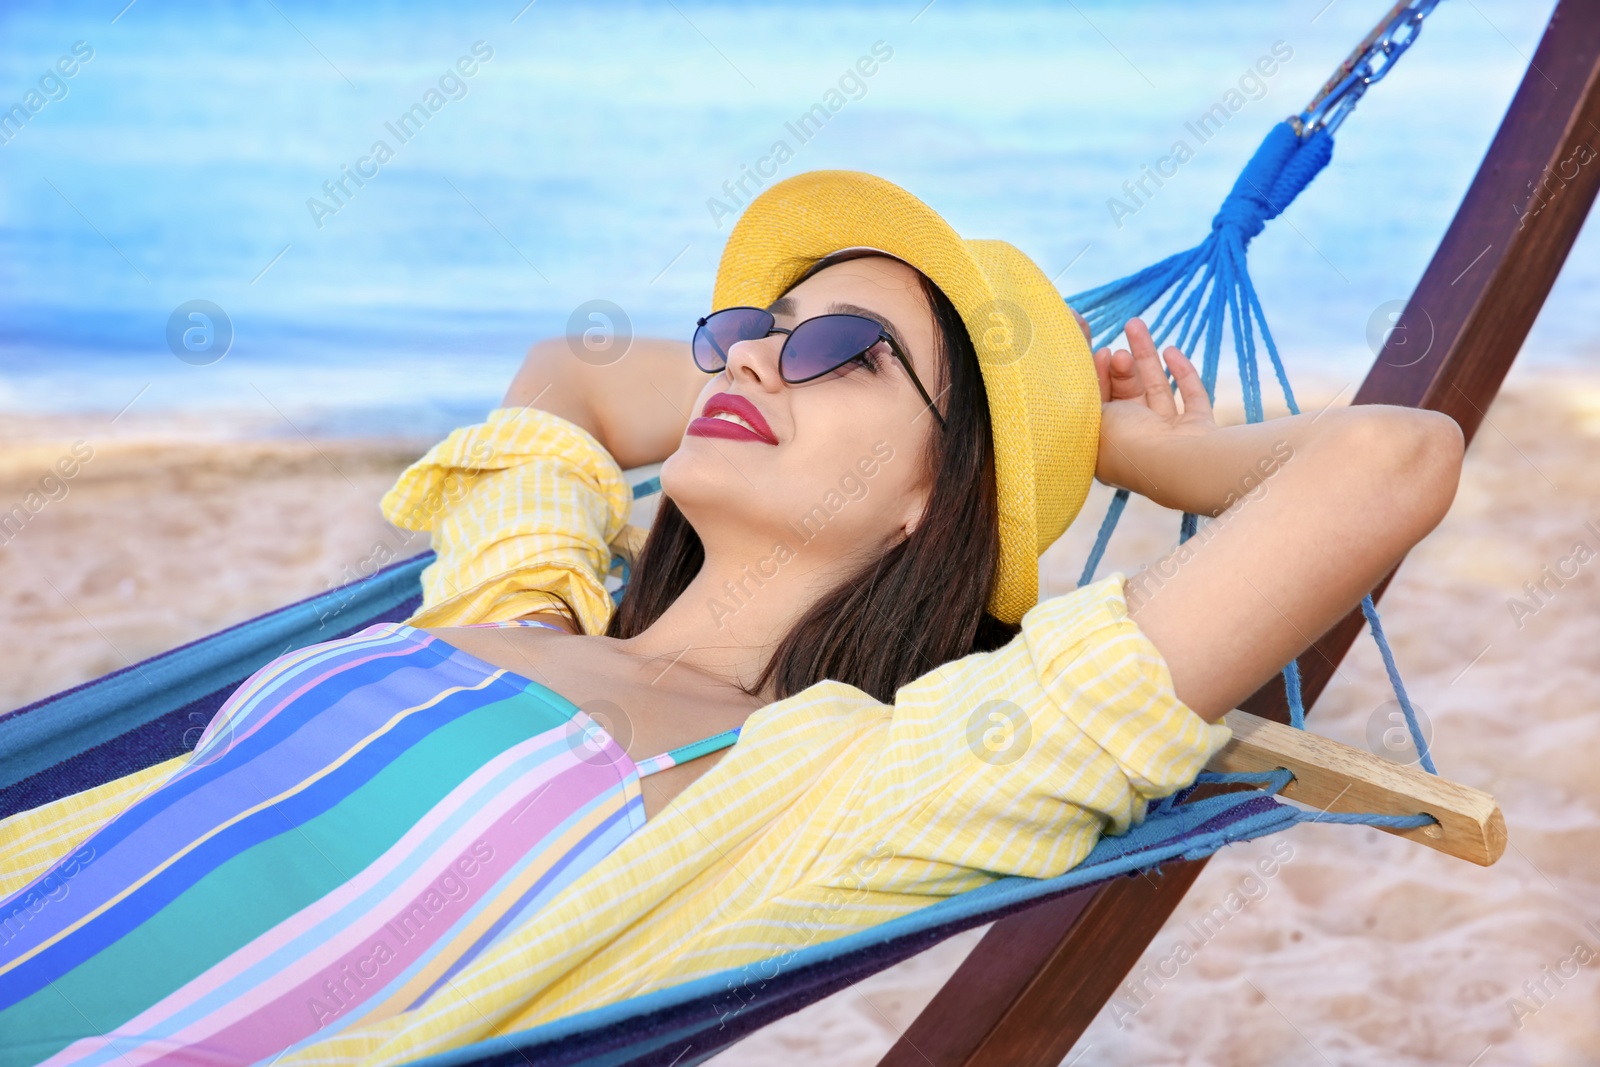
<point x="1406" y="709"/>
<point x="1291" y="689"/>
<point x="1358" y="818"/>
<point x="1210" y="278"/>
<point x="1119" y="500"/>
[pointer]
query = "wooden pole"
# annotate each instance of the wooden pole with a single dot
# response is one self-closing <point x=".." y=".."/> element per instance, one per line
<point x="1036" y="981"/>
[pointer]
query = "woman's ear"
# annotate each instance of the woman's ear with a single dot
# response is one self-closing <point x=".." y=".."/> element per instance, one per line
<point x="913" y="519"/>
<point x="915" y="508"/>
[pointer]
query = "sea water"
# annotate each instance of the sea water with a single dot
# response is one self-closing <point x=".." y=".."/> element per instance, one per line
<point x="379" y="206"/>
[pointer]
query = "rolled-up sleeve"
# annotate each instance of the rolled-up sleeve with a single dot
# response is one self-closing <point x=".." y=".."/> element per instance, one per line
<point x="1016" y="761"/>
<point x="526" y="509"/>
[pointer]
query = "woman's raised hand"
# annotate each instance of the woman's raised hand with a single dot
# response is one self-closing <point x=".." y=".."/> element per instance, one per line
<point x="1138" y="376"/>
<point x="1138" y="408"/>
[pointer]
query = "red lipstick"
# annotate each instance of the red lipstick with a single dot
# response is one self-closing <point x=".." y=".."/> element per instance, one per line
<point x="732" y="404"/>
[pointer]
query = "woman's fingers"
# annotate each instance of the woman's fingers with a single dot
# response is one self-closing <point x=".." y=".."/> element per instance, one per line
<point x="1123" y="375"/>
<point x="1139" y="375"/>
<point x="1152" y="376"/>
<point x="1102" y="371"/>
<point x="1190" y="387"/>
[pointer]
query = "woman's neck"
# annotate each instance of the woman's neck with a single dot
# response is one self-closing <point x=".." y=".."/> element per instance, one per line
<point x="729" y="621"/>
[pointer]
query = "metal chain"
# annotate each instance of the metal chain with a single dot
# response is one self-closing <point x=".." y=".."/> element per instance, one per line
<point x="1368" y="64"/>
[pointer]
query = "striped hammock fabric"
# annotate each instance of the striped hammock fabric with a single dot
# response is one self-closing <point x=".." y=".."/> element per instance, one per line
<point x="359" y="821"/>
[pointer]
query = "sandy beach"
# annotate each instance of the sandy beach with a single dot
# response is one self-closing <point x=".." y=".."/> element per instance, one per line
<point x="1360" y="949"/>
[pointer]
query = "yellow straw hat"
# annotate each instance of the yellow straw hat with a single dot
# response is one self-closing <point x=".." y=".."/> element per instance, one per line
<point x="1044" y="398"/>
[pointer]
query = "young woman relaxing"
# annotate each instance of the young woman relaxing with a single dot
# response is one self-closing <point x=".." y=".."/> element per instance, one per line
<point x="830" y="694"/>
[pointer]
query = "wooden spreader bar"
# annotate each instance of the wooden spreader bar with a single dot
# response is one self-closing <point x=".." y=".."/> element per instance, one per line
<point x="1333" y="777"/>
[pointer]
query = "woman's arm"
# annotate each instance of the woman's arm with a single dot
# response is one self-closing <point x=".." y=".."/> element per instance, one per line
<point x="1310" y="512"/>
<point x="637" y="406"/>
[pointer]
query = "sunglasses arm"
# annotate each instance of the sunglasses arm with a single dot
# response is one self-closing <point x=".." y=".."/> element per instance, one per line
<point x="901" y="356"/>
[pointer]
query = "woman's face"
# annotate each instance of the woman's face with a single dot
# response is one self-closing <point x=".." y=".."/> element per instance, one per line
<point x="845" y="478"/>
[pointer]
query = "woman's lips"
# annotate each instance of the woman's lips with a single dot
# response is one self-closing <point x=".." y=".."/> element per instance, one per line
<point x="741" y="421"/>
<point x="707" y="427"/>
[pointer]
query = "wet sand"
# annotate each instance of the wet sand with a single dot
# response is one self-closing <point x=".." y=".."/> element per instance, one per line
<point x="1361" y="948"/>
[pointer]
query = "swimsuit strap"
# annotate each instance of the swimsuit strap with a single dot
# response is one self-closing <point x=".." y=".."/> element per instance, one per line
<point x="655" y="764"/>
<point x="514" y="622"/>
<point x="685" y="753"/>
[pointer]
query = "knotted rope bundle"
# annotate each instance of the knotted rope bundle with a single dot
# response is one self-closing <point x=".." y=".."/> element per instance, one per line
<point x="1210" y="283"/>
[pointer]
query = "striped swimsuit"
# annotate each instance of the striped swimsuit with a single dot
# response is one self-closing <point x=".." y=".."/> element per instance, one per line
<point x="359" y="821"/>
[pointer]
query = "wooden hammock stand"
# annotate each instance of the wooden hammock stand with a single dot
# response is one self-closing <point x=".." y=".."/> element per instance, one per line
<point x="1030" y="988"/>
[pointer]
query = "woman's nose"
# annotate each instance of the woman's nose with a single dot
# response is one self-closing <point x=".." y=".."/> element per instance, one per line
<point x="757" y="359"/>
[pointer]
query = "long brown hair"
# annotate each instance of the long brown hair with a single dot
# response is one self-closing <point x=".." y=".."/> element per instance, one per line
<point x="923" y="602"/>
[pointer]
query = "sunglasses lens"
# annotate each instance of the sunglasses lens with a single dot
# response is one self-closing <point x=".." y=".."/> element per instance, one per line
<point x="824" y="343"/>
<point x="723" y="330"/>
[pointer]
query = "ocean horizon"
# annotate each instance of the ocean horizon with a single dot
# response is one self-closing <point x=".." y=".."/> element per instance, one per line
<point x="386" y="204"/>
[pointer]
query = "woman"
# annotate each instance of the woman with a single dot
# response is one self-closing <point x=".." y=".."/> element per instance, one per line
<point x="427" y="834"/>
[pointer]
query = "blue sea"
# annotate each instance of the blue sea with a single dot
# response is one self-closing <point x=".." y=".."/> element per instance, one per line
<point x="538" y="157"/>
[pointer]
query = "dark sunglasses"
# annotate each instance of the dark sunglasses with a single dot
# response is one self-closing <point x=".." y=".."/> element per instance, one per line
<point x="813" y="348"/>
